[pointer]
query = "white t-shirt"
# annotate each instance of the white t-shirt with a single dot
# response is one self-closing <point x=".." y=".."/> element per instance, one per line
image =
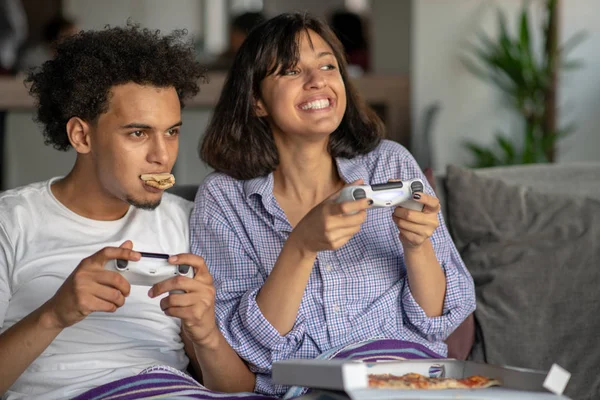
<point x="41" y="243"/>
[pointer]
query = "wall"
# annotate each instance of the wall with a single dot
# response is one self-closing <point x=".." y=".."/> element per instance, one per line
<point x="93" y="14"/>
<point x="319" y="8"/>
<point x="391" y="36"/>
<point x="473" y="109"/>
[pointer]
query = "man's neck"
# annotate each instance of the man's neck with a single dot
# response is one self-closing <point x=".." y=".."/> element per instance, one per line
<point x="81" y="193"/>
<point x="306" y="174"/>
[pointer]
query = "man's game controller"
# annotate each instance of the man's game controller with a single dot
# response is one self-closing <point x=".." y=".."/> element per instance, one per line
<point x="391" y="194"/>
<point x="149" y="270"/>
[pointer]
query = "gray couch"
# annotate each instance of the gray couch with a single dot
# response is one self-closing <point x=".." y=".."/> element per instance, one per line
<point x="530" y="236"/>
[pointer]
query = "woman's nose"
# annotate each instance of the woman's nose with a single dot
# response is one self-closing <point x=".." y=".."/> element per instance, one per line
<point x="315" y="80"/>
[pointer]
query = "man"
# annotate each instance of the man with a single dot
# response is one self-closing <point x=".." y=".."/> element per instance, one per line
<point x="67" y="324"/>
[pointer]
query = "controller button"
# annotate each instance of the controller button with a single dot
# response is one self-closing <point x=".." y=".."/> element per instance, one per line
<point x="359" y="194"/>
<point x="183" y="269"/>
<point x="121" y="264"/>
<point x="416" y="187"/>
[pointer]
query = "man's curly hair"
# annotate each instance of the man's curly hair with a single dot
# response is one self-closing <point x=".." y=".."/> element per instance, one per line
<point x="87" y="65"/>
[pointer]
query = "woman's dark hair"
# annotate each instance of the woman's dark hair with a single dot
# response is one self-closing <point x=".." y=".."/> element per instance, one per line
<point x="87" y="65"/>
<point x="240" y="144"/>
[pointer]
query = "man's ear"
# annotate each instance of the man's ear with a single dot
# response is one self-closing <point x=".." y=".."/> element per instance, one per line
<point x="259" y="109"/>
<point x="78" y="131"/>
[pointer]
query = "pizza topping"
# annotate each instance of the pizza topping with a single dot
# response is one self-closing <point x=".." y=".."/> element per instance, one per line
<point x="418" y="381"/>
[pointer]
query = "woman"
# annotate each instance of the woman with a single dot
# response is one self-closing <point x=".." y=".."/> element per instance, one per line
<point x="298" y="274"/>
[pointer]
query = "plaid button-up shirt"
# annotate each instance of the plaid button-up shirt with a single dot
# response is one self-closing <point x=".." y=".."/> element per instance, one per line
<point x="357" y="292"/>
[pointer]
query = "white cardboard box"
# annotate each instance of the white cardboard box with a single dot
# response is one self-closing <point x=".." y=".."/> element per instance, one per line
<point x="350" y="378"/>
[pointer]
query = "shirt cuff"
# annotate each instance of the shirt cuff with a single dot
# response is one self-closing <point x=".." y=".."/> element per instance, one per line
<point x="265" y="385"/>
<point x="435" y="328"/>
<point x="264" y="333"/>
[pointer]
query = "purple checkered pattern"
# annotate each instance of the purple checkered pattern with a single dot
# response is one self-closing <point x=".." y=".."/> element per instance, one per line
<point x="357" y="292"/>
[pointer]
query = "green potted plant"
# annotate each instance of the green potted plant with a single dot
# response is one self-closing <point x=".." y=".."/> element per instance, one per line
<point x="529" y="81"/>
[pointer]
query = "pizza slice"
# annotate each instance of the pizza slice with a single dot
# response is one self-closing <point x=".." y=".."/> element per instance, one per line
<point x="418" y="381"/>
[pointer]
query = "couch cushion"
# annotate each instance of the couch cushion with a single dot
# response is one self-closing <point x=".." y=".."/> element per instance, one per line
<point x="535" y="260"/>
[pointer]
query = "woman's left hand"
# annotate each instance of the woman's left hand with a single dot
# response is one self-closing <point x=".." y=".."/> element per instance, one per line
<point x="417" y="226"/>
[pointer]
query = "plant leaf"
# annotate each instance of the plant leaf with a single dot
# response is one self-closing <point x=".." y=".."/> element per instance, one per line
<point x="524" y="31"/>
<point x="572" y="42"/>
<point x="572" y="65"/>
<point x="474" y="69"/>
<point x="508" y="149"/>
<point x="483" y="157"/>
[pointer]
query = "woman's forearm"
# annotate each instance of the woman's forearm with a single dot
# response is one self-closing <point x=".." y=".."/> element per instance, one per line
<point x="280" y="297"/>
<point x="426" y="278"/>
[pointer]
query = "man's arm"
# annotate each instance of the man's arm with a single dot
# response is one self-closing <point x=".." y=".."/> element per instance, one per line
<point x="88" y="289"/>
<point x="218" y="366"/>
<point x="188" y="346"/>
<point x="23" y="343"/>
<point x="221" y="368"/>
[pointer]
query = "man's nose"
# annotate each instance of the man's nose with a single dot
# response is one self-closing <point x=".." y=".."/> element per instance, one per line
<point x="158" y="153"/>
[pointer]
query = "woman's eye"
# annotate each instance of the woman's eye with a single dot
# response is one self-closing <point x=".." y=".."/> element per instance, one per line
<point x="328" y="67"/>
<point x="290" y="72"/>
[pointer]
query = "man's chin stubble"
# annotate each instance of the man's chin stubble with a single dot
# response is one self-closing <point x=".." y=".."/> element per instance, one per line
<point x="144" y="205"/>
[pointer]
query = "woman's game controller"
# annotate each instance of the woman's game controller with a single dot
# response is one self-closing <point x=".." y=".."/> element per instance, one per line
<point x="391" y="194"/>
<point x="149" y="270"/>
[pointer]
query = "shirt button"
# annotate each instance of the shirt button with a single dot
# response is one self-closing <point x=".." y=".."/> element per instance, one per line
<point x="336" y="308"/>
<point x="328" y="268"/>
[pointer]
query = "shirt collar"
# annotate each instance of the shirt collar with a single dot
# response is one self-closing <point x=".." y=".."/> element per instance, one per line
<point x="349" y="169"/>
<point x="263" y="185"/>
<point x="352" y="169"/>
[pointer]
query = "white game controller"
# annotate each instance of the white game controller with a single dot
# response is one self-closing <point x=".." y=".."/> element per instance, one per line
<point x="149" y="270"/>
<point x="391" y="194"/>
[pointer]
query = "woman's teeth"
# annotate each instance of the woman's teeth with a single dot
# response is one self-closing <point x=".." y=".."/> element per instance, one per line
<point x="316" y="105"/>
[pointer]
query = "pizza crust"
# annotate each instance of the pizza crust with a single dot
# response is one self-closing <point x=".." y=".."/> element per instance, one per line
<point x="158" y="181"/>
<point x="418" y="381"/>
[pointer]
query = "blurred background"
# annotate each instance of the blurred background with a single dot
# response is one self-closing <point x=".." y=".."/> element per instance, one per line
<point x="468" y="82"/>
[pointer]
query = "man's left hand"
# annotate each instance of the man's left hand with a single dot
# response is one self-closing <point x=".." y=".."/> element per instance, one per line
<point x="195" y="307"/>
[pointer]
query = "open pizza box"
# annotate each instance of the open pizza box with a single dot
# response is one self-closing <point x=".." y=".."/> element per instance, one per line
<point x="350" y="379"/>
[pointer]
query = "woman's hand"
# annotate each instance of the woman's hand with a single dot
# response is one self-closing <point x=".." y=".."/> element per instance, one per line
<point x="330" y="225"/>
<point x="417" y="226"/>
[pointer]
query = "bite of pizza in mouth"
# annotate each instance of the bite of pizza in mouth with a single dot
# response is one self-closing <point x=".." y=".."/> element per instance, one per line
<point x="159" y="181"/>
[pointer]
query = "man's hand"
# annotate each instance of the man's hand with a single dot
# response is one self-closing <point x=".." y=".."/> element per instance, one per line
<point x="91" y="288"/>
<point x="195" y="307"/>
<point x="330" y="225"/>
<point x="417" y="226"/>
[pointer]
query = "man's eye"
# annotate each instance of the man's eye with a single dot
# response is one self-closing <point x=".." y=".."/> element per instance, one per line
<point x="173" y="132"/>
<point x="137" y="134"/>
